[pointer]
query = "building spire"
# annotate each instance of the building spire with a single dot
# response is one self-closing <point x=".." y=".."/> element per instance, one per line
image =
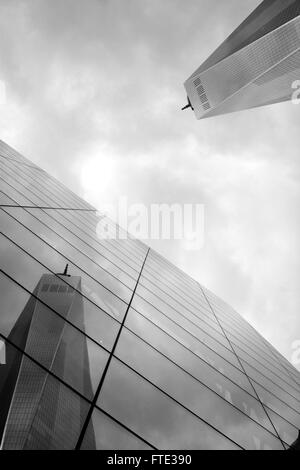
<point x="65" y="273"/>
<point x="189" y="105"/>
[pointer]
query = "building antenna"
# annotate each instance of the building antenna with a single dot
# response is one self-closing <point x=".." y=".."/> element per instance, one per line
<point x="65" y="273"/>
<point x="189" y="105"/>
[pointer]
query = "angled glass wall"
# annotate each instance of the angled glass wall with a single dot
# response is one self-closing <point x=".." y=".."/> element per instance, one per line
<point x="104" y="344"/>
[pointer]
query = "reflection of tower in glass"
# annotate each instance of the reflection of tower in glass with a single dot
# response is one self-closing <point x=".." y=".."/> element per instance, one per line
<point x="37" y="411"/>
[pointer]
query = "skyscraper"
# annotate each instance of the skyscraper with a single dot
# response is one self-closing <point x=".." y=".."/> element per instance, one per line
<point x="122" y="350"/>
<point x="32" y="405"/>
<point x="255" y="66"/>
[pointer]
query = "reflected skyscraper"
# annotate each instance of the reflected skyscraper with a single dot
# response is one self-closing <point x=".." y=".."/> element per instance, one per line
<point x="31" y="404"/>
<point x="123" y="350"/>
<point x="255" y="66"/>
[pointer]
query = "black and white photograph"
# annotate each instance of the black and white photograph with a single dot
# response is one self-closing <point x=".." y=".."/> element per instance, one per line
<point x="150" y="228"/>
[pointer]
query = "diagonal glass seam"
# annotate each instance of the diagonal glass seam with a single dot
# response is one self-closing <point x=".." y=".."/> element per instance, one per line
<point x="265" y="366"/>
<point x="131" y="237"/>
<point x="207" y="333"/>
<point x="70" y="261"/>
<point x="190" y="321"/>
<point x="130" y="254"/>
<point x="84" y="241"/>
<point x="52" y="272"/>
<point x="22" y="163"/>
<point x="138" y="436"/>
<point x="74" y="246"/>
<point x="91" y="246"/>
<point x="46" y="183"/>
<point x="179" y="312"/>
<point x="221" y="344"/>
<point x="31" y="179"/>
<point x="201" y="359"/>
<point x="48" y="207"/>
<point x="281" y="363"/>
<point x="40" y="169"/>
<point x="69" y="386"/>
<point x="185" y="298"/>
<point x="44" y="368"/>
<point x="241" y="364"/>
<point x="85" y="425"/>
<point x="217" y="324"/>
<point x="172" y="361"/>
<point x="175" y="400"/>
<point x="272" y="367"/>
<point x="94" y="405"/>
<point x="82" y="252"/>
<point x="73" y="325"/>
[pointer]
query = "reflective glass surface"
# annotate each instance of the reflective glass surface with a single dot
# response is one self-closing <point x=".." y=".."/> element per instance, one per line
<point x="110" y="435"/>
<point x="104" y="344"/>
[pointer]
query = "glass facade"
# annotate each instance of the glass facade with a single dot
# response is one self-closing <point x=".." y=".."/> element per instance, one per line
<point x="255" y="66"/>
<point x="104" y="344"/>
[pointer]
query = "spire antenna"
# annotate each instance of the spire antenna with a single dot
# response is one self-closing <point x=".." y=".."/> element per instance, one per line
<point x="65" y="273"/>
<point x="189" y="105"/>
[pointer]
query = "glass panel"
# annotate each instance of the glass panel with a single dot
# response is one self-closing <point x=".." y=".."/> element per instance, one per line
<point x="30" y="188"/>
<point x="286" y="431"/>
<point x="22" y="189"/>
<point x="192" y="306"/>
<point x="4" y="199"/>
<point x="56" y="263"/>
<point x="281" y="408"/>
<point x="155" y="336"/>
<point x="110" y="435"/>
<point x="37" y="411"/>
<point x="267" y="373"/>
<point x="47" y="338"/>
<point x="193" y="313"/>
<point x="149" y="311"/>
<point x="104" y="246"/>
<point x="183" y="317"/>
<point x="72" y="255"/>
<point x="271" y="386"/>
<point x="169" y="274"/>
<point x="262" y="357"/>
<point x="194" y="396"/>
<point x="28" y="272"/>
<point x="153" y="415"/>
<point x="46" y="216"/>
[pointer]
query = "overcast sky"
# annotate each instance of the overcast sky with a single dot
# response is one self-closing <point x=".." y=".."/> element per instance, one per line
<point x="93" y="95"/>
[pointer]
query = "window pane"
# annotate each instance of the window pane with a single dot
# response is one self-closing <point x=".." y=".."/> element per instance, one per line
<point x="56" y="263"/>
<point x="28" y="272"/>
<point x="153" y="415"/>
<point x="47" y="216"/>
<point x="271" y="386"/>
<point x="110" y="435"/>
<point x="206" y="370"/>
<point x="195" y="396"/>
<point x="149" y="311"/>
<point x="47" y="338"/>
<point x="43" y="413"/>
<point x="65" y="249"/>
<point x="183" y="317"/>
<point x="281" y="408"/>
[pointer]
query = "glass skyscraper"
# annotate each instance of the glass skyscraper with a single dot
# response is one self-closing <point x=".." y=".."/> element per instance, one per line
<point x="104" y="344"/>
<point x="255" y="66"/>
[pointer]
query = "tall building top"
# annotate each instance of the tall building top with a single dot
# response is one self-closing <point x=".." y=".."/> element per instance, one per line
<point x="255" y="66"/>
